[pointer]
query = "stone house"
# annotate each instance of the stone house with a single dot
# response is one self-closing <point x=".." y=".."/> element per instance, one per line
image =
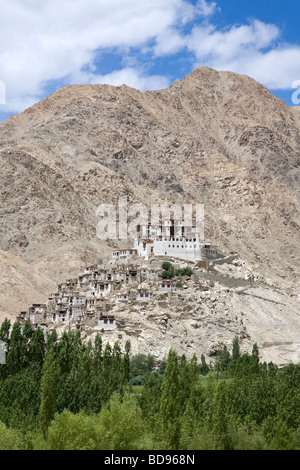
<point x="107" y="322"/>
<point x="144" y="294"/>
<point x="37" y="313"/>
<point x="166" y="285"/>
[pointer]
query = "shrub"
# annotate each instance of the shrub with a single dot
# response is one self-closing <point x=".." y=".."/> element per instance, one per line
<point x="9" y="439"/>
<point x="166" y="266"/>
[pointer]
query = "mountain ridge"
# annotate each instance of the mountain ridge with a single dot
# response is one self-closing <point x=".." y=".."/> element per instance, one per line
<point x="216" y="138"/>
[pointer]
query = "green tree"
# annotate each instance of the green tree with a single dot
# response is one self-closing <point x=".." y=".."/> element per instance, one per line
<point x="98" y="353"/>
<point x="220" y="418"/>
<point x="170" y="403"/>
<point x="167" y="274"/>
<point x="288" y="395"/>
<point x="204" y="367"/>
<point x="49" y="383"/>
<point x="167" y="266"/>
<point x="37" y="347"/>
<point x="4" y="336"/>
<point x="187" y="271"/>
<point x="83" y="376"/>
<point x="20" y="398"/>
<point x="150" y="398"/>
<point x="235" y="354"/>
<point x="10" y="439"/>
<point x="69" y="431"/>
<point x="4" y="331"/>
<point x="15" y="354"/>
<point x="141" y="364"/>
<point x="224" y="358"/>
<point x="126" y="363"/>
<point x="121" y="424"/>
<point x="254" y="360"/>
<point x="52" y="340"/>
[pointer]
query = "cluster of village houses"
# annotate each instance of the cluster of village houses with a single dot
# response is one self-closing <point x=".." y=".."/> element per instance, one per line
<point x="85" y="297"/>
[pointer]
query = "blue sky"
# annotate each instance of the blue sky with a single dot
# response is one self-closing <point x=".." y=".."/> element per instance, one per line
<point x="148" y="44"/>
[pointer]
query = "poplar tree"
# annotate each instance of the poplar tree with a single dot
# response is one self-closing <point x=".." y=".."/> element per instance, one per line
<point x="170" y="402"/>
<point x="49" y="385"/>
<point x="4" y="336"/>
<point x="52" y="340"/>
<point x="4" y="331"/>
<point x="254" y="360"/>
<point x="220" y="418"/>
<point x="27" y="341"/>
<point x="98" y="352"/>
<point x="126" y="362"/>
<point x="38" y="346"/>
<point x="15" y="355"/>
<point x="235" y="355"/>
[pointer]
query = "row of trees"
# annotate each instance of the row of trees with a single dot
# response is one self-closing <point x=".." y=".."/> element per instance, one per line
<point x="81" y="377"/>
<point x="65" y="394"/>
<point x="240" y="404"/>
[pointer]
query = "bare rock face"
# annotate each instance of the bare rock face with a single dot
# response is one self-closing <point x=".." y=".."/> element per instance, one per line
<point x="21" y="285"/>
<point x="216" y="138"/>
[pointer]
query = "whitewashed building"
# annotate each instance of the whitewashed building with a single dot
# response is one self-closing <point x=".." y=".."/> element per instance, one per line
<point x="125" y="254"/>
<point x="169" y="239"/>
<point x="107" y="322"/>
<point x="123" y="297"/>
<point x="166" y="285"/>
<point x="144" y="294"/>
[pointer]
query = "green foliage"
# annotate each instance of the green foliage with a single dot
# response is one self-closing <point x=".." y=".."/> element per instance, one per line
<point x="167" y="274"/>
<point x="49" y="384"/>
<point x="117" y="427"/>
<point x="236" y="354"/>
<point x="37" y="347"/>
<point x="166" y="266"/>
<point x="16" y="351"/>
<point x="4" y="331"/>
<point x="10" y="439"/>
<point x="170" y="404"/>
<point x="149" y="401"/>
<point x="138" y="380"/>
<point x="169" y="271"/>
<point x="204" y="367"/>
<point x="141" y="364"/>
<point x="69" y="394"/>
<point x="121" y="424"/>
<point x="70" y="431"/>
<point x="187" y="271"/>
<point x="220" y="419"/>
<point x="20" y="397"/>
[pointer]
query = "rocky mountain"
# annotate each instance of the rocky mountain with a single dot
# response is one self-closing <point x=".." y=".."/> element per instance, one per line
<point x="216" y="138"/>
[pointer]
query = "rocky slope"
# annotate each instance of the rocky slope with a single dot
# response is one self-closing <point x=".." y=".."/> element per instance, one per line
<point x="216" y="138"/>
<point x="21" y="285"/>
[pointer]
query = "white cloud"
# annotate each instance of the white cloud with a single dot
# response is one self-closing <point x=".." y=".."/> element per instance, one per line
<point x="60" y="40"/>
<point x="225" y="45"/>
<point x="133" y="77"/>
<point x="207" y="9"/>
<point x="52" y="39"/>
<point x="247" y="49"/>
